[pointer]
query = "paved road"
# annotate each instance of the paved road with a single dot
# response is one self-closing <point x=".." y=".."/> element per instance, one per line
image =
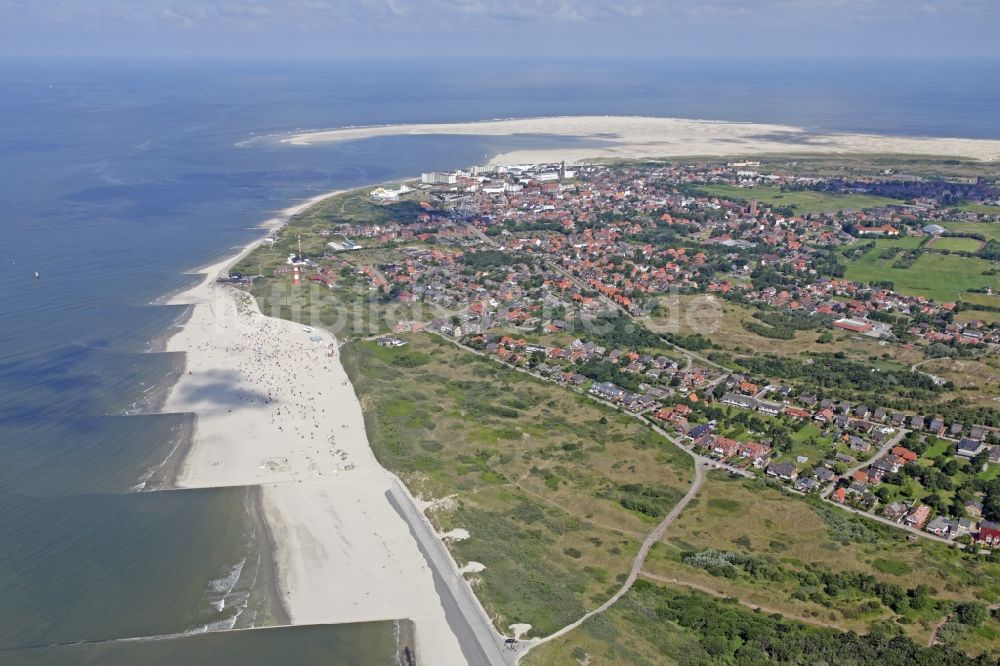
<point x="899" y="526"/>
<point x="884" y="449"/>
<point x="699" y="459"/>
<point x="479" y="641"/>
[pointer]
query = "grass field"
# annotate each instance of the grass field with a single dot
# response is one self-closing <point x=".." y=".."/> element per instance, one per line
<point x="983" y="299"/>
<point x="794" y="534"/>
<point x="556" y="490"/>
<point x="980" y="377"/>
<point x="955" y="244"/>
<point x="989" y="230"/>
<point x="965" y="316"/>
<point x="802" y="202"/>
<point x="666" y="623"/>
<point x="980" y="209"/>
<point x="904" y="242"/>
<point x="721" y="320"/>
<point x="357" y="207"/>
<point x="943" y="278"/>
<point x="629" y="634"/>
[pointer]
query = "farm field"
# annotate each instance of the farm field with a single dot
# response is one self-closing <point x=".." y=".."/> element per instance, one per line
<point x="943" y="278"/>
<point x="980" y="209"/>
<point x="801" y="201"/>
<point x="955" y="244"/>
<point x="555" y="490"/>
<point x="989" y="230"/>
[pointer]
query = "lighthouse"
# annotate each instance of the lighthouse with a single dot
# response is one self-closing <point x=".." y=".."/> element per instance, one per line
<point x="296" y="276"/>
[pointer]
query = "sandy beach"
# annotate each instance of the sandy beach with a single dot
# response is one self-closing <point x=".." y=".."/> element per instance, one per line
<point x="636" y="137"/>
<point x="273" y="409"/>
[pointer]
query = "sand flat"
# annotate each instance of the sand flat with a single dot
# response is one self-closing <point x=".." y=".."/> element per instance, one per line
<point x="639" y="137"/>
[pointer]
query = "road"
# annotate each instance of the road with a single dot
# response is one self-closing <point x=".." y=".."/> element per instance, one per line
<point x="702" y="460"/>
<point x="701" y="464"/>
<point x="580" y="284"/>
<point x="884" y="449"/>
<point x="479" y="641"/>
<point x="899" y="526"/>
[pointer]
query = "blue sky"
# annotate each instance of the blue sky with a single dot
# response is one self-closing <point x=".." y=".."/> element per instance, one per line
<point x="500" y="28"/>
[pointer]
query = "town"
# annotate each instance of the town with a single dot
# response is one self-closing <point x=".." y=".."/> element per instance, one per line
<point x="563" y="273"/>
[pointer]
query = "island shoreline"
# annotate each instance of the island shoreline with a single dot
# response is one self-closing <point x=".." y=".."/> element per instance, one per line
<point x="647" y="137"/>
<point x="295" y="506"/>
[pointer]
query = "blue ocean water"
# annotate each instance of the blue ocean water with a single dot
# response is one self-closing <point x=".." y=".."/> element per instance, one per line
<point x="117" y="178"/>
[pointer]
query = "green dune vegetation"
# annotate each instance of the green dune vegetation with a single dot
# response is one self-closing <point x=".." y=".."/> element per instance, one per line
<point x="812" y="561"/>
<point x="658" y="624"/>
<point x="556" y="491"/>
<point x="748" y="569"/>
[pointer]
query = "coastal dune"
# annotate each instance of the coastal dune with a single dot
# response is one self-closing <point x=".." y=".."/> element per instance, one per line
<point x="638" y="137"/>
<point x="274" y="410"/>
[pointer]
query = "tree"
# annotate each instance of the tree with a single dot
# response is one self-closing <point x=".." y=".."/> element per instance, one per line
<point x="971" y="613"/>
<point x="920" y="597"/>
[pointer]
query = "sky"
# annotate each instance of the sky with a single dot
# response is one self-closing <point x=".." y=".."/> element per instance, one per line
<point x="371" y="29"/>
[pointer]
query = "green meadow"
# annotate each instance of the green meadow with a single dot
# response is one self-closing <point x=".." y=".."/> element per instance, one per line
<point x="955" y="244"/>
<point x="801" y="201"/>
<point x="937" y="276"/>
<point x="556" y="490"/>
<point x="989" y="230"/>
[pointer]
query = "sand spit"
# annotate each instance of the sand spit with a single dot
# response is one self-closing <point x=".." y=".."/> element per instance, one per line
<point x="629" y="137"/>
<point x="274" y="410"/>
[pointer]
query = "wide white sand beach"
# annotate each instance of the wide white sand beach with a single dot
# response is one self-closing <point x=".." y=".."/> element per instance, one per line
<point x="637" y="137"/>
<point x="273" y="409"/>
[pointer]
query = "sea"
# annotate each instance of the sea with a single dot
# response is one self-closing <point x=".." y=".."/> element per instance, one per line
<point x="119" y="179"/>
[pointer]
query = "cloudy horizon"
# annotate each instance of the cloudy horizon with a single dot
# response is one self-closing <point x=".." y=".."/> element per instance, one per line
<point x="392" y="28"/>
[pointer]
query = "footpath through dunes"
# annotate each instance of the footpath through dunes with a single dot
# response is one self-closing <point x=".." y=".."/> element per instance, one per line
<point x="274" y="408"/>
<point x="554" y="498"/>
